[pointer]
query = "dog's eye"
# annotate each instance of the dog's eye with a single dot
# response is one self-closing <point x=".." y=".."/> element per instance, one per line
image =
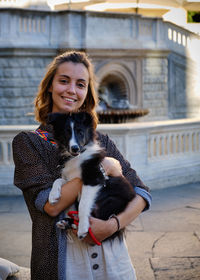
<point x="80" y="133"/>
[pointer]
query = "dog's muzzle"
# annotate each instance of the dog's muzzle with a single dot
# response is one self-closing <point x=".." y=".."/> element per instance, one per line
<point x="75" y="150"/>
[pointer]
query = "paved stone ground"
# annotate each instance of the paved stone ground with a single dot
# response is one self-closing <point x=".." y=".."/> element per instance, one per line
<point x="164" y="243"/>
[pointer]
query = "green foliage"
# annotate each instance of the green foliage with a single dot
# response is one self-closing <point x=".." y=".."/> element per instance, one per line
<point x="193" y="17"/>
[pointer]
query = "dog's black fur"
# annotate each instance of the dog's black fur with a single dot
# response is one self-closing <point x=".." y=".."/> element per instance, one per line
<point x="116" y="192"/>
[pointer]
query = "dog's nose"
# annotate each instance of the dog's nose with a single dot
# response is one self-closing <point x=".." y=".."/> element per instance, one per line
<point x="75" y="149"/>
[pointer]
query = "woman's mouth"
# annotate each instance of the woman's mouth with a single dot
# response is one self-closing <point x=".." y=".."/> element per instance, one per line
<point x="69" y="99"/>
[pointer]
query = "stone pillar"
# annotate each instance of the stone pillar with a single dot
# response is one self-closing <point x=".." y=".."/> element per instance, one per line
<point x="155" y="86"/>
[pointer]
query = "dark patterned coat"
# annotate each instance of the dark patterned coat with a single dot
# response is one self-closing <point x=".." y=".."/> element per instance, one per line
<point x="36" y="162"/>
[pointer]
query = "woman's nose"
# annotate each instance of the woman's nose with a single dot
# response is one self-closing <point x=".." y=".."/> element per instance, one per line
<point x="71" y="88"/>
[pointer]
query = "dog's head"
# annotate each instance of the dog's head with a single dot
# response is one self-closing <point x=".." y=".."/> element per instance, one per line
<point x="72" y="131"/>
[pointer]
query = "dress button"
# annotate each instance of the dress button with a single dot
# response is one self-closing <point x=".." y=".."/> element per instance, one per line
<point x="95" y="266"/>
<point x="94" y="255"/>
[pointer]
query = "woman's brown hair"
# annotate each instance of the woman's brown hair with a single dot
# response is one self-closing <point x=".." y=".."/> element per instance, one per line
<point x="43" y="100"/>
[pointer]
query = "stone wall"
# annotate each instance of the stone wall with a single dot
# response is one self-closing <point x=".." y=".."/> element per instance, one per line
<point x="19" y="79"/>
<point x="148" y="55"/>
<point x="155" y="87"/>
<point x="184" y="87"/>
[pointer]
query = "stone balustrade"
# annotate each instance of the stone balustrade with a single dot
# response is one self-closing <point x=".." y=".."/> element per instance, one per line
<point x="23" y="28"/>
<point x="164" y="153"/>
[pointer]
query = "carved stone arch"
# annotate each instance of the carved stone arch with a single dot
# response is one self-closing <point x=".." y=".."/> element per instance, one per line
<point x="120" y="81"/>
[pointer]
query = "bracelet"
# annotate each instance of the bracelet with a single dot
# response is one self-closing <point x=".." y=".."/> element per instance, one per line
<point x="117" y="220"/>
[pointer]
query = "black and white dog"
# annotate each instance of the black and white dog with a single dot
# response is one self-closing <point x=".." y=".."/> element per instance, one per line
<point x="101" y="196"/>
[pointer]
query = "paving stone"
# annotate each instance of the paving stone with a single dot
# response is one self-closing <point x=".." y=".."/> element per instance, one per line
<point x="143" y="268"/>
<point x="140" y="250"/>
<point x="181" y="219"/>
<point x="177" y="244"/>
<point x="176" y="268"/>
<point x="17" y="222"/>
<point x="141" y="243"/>
<point x="175" y="197"/>
<point x="197" y="234"/>
<point x="16" y="247"/>
<point x="13" y="204"/>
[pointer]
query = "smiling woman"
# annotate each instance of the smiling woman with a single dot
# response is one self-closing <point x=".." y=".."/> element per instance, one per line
<point x="68" y="82"/>
<point x="56" y="254"/>
<point x="69" y="87"/>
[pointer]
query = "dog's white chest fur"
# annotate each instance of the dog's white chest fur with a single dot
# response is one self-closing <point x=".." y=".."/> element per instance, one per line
<point x="72" y="169"/>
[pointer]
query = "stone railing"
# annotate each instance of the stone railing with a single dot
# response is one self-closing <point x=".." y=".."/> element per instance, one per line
<point x="7" y="134"/>
<point x="21" y="28"/>
<point x="164" y="153"/>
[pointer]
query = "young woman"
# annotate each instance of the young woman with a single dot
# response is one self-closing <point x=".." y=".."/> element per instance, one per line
<point x="68" y="86"/>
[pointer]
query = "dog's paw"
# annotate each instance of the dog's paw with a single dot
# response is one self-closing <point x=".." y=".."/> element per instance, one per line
<point x="55" y="192"/>
<point x="66" y="223"/>
<point x="62" y="224"/>
<point x="83" y="229"/>
<point x="54" y="196"/>
<point x="82" y="235"/>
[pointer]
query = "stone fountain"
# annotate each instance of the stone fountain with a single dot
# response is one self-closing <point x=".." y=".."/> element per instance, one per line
<point x="114" y="106"/>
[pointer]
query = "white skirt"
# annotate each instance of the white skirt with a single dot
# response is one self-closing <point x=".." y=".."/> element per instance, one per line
<point x="110" y="261"/>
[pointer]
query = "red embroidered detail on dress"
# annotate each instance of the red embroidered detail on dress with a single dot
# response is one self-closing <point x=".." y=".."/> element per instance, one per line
<point x="45" y="135"/>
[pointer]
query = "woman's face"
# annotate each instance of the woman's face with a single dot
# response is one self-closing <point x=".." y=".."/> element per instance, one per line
<point x="69" y="87"/>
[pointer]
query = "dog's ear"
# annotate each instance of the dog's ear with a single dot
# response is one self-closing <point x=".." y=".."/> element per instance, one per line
<point x="87" y="119"/>
<point x="57" y="120"/>
<point x="52" y="117"/>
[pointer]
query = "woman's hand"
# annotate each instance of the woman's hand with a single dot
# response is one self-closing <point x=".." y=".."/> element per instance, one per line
<point x="112" y="167"/>
<point x="101" y="230"/>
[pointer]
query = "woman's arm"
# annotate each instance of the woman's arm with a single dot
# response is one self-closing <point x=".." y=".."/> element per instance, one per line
<point x="112" y="167"/>
<point x="103" y="229"/>
<point x="132" y="211"/>
<point x="69" y="193"/>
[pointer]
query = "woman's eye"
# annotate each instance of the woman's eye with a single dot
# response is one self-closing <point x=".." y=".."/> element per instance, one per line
<point x="63" y="81"/>
<point x="81" y="85"/>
